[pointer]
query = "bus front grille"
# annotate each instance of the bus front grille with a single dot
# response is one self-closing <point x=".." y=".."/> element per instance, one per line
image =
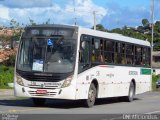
<point x="44" y="87"/>
<point x="42" y="78"/>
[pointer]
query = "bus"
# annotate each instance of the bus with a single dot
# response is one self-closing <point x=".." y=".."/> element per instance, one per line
<point x="75" y="63"/>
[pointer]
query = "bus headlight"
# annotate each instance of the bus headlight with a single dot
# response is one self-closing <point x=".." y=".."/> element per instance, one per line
<point x="19" y="80"/>
<point x="67" y="81"/>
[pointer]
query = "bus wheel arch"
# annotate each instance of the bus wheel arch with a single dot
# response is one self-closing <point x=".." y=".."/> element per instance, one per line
<point x="134" y="83"/>
<point x="92" y="94"/>
<point x="131" y="92"/>
<point x="95" y="82"/>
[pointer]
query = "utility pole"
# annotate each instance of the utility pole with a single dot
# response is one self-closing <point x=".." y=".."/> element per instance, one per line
<point x="94" y="18"/>
<point x="92" y="12"/>
<point x="152" y="20"/>
<point x="75" y="19"/>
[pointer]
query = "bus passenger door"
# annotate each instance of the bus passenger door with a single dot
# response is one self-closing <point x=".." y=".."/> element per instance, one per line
<point x="83" y="66"/>
<point x="84" y="54"/>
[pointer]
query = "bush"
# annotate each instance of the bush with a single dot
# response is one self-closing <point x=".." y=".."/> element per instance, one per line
<point x="10" y="61"/>
<point x="6" y="75"/>
<point x="154" y="80"/>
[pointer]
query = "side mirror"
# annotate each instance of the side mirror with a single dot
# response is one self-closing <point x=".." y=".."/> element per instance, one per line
<point x="83" y="44"/>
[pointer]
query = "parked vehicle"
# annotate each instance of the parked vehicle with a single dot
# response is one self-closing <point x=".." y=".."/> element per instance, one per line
<point x="158" y="84"/>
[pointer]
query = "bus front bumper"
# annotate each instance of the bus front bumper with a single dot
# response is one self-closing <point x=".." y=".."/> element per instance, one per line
<point x="59" y="93"/>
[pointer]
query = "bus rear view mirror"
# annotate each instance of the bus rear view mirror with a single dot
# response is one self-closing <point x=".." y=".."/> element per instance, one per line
<point x="83" y="44"/>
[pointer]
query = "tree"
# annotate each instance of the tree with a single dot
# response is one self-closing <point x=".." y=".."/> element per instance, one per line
<point x="48" y="21"/>
<point x="157" y="26"/>
<point x="32" y="22"/>
<point x="17" y="29"/>
<point x="99" y="27"/>
<point x="145" y="22"/>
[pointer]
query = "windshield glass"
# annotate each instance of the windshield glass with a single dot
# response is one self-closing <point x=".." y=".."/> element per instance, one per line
<point x="47" y="54"/>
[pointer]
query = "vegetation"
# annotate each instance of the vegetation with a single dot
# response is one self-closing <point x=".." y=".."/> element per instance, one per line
<point x="141" y="32"/>
<point x="154" y="80"/>
<point x="7" y="72"/>
<point x="10" y="61"/>
<point x="6" y="76"/>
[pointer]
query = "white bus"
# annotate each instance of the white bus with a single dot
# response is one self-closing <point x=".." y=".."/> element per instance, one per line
<point x="70" y="62"/>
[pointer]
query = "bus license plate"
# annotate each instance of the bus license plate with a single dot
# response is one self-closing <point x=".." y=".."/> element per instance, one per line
<point x="41" y="92"/>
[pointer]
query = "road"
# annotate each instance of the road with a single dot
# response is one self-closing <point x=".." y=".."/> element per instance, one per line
<point x="147" y="103"/>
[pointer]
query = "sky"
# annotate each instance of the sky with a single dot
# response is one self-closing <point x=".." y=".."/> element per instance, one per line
<point x="110" y="13"/>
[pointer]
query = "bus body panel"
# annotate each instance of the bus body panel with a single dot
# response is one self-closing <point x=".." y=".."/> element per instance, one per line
<point x="112" y="81"/>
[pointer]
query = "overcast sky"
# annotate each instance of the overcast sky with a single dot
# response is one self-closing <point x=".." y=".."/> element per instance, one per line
<point x="110" y="13"/>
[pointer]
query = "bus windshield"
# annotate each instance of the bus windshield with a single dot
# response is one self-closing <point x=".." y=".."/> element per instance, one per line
<point x="54" y="54"/>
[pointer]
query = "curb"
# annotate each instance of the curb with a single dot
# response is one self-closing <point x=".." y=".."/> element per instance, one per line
<point x="6" y="92"/>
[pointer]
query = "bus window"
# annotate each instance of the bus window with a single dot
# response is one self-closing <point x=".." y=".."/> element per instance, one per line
<point x="118" y="57"/>
<point x="101" y="55"/>
<point x="148" y="59"/>
<point x="144" y="53"/>
<point x="129" y="54"/>
<point x="84" y="55"/>
<point x="123" y="53"/>
<point x="97" y="50"/>
<point x="109" y="51"/>
<point x="138" y="56"/>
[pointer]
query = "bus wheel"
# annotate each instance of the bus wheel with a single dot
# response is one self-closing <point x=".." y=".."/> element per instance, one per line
<point x="91" y="96"/>
<point x="131" y="93"/>
<point x="39" y="101"/>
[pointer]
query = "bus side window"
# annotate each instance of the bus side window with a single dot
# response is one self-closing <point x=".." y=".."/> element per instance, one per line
<point x="123" y="48"/>
<point x="129" y="54"/>
<point x="109" y="51"/>
<point x="84" y="54"/>
<point x="118" y="57"/>
<point x="96" y="49"/>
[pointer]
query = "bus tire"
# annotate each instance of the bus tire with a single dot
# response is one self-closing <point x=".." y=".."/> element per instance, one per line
<point x="39" y="101"/>
<point x="131" y="93"/>
<point x="91" y="96"/>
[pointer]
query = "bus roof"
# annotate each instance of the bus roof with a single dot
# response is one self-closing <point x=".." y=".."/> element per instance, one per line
<point x="51" y="26"/>
<point x="113" y="36"/>
<point x="97" y="33"/>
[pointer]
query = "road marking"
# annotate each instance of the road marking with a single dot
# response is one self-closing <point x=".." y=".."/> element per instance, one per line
<point x="153" y="112"/>
<point x="116" y="118"/>
<point x="21" y="110"/>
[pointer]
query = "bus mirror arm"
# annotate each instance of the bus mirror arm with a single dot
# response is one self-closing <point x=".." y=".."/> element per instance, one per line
<point x="80" y="56"/>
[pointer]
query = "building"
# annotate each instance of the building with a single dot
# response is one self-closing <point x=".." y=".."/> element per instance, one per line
<point x="156" y="62"/>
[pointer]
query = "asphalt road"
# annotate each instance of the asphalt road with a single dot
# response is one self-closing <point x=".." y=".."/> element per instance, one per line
<point x="147" y="103"/>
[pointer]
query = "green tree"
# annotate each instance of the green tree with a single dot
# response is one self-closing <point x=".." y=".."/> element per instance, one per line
<point x="32" y="22"/>
<point x="157" y="26"/>
<point x="145" y="22"/>
<point x="48" y="21"/>
<point x="99" y="27"/>
<point x="17" y="29"/>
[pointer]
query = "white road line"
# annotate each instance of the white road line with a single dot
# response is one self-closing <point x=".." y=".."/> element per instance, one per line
<point x="153" y="112"/>
<point x="116" y="118"/>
